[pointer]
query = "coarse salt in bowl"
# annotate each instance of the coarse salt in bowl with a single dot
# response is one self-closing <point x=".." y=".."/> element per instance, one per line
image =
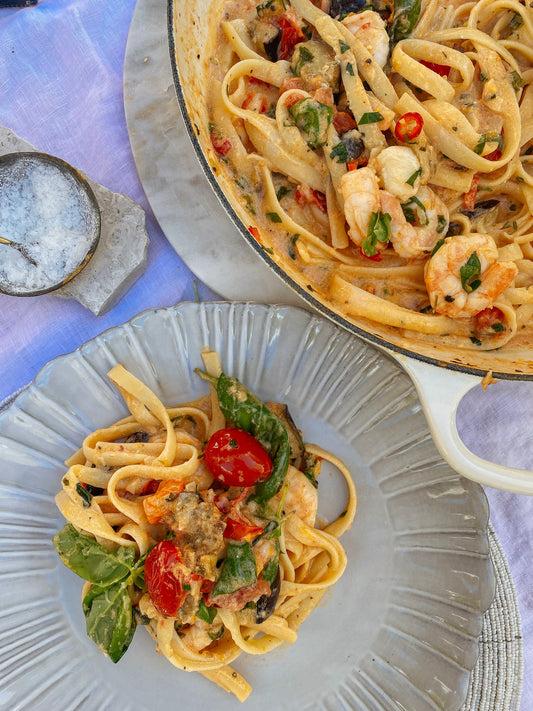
<point x="49" y="209"/>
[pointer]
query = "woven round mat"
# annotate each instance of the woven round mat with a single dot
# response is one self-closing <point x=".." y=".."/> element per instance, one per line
<point x="496" y="681"/>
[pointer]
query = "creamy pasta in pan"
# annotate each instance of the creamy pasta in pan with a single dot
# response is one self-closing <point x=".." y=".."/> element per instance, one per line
<point x="382" y="155"/>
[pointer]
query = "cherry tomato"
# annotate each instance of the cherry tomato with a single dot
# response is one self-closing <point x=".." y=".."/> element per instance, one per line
<point x="487" y="319"/>
<point x="408" y="126"/>
<point x="440" y="69"/>
<point x="241" y="531"/>
<point x="235" y="458"/>
<point x="164" y="588"/>
<point x="469" y="198"/>
<point x="291" y="35"/>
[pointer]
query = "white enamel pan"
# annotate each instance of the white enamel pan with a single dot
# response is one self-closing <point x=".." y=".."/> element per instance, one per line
<point x="441" y="378"/>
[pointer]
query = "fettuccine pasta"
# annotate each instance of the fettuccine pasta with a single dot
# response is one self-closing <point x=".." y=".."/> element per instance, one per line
<point x="200" y="523"/>
<point x="381" y="153"/>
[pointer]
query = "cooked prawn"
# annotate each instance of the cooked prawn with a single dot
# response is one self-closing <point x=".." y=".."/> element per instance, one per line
<point x="370" y="29"/>
<point x="300" y="496"/>
<point x="429" y="220"/>
<point x="360" y="191"/>
<point x="464" y="275"/>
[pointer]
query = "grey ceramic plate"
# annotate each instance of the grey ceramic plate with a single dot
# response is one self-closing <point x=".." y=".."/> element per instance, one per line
<point x="400" y="630"/>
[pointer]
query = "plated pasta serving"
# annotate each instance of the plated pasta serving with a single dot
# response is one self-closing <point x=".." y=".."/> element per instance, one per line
<point x="200" y="523"/>
<point x="381" y="153"/>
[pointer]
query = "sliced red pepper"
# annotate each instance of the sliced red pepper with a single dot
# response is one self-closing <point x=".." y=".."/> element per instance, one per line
<point x="289" y="83"/>
<point x="221" y="145"/>
<point x="357" y="162"/>
<point x="469" y="198"/>
<point x="262" y="105"/>
<point x="374" y="257"/>
<point x="255" y="233"/>
<point x="241" y="531"/>
<point x="440" y="69"/>
<point x="305" y="194"/>
<point x="409" y="126"/>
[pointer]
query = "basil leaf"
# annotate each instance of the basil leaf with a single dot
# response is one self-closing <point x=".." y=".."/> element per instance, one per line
<point x="469" y="273"/>
<point x="273" y="216"/>
<point x="438" y="245"/>
<point x="90" y="560"/>
<point x="205" y="613"/>
<point x="488" y="138"/>
<point x="270" y="569"/>
<point x="370" y="117"/>
<point x="406" y="14"/>
<point x="238" y="569"/>
<point x="340" y="152"/>
<point x="85" y="495"/>
<point x="378" y="231"/>
<point x="304" y="56"/>
<point x="109" y="618"/>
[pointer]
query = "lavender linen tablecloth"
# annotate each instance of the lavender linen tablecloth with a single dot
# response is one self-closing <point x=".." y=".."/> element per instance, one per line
<point x="61" y="68"/>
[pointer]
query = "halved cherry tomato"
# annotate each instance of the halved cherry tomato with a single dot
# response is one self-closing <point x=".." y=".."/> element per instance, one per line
<point x="159" y="504"/>
<point x="440" y="69"/>
<point x="291" y="34"/>
<point x="235" y="458"/>
<point x="488" y="318"/>
<point x="164" y="588"/>
<point x="241" y="531"/>
<point x="409" y="126"/>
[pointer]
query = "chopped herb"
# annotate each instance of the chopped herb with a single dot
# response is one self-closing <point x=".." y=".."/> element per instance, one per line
<point x="304" y="56"/>
<point x="349" y="69"/>
<point x="441" y="224"/>
<point x="515" y="225"/>
<point x="293" y="240"/>
<point x="313" y="119"/>
<point x="273" y="216"/>
<point x="412" y="216"/>
<point x="470" y="273"/>
<point x="344" y="47"/>
<point x="488" y="138"/>
<point x="498" y="327"/>
<point x="426" y="309"/>
<point x="339" y="152"/>
<point x="378" y="231"/>
<point x="370" y="117"/>
<point x="84" y="494"/>
<point x="206" y="613"/>
<point x="512" y="207"/>
<point x="438" y="245"/>
<point x="516" y="80"/>
<point x="282" y="191"/>
<point x="414" y="176"/>
<point x="268" y="250"/>
<point x="483" y="76"/>
<point x="520" y="179"/>
<point x="233" y="443"/>
<point x="475" y="340"/>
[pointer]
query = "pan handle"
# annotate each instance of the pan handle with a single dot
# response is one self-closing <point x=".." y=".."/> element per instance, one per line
<point x="440" y="392"/>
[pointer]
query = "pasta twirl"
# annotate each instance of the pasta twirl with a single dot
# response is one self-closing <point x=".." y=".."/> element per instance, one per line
<point x="200" y="523"/>
<point x="364" y="143"/>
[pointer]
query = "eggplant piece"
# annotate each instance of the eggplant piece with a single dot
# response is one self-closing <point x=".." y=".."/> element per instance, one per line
<point x="343" y="7"/>
<point x="454" y="228"/>
<point x="354" y="144"/>
<point x="266" y="604"/>
<point x="271" y="46"/>
<point x="481" y="208"/>
<point x="295" y="438"/>
<point x="139" y="436"/>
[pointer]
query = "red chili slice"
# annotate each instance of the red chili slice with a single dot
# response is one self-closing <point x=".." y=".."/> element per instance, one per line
<point x="440" y="69"/>
<point x="221" y="145"/>
<point x="409" y="126"/>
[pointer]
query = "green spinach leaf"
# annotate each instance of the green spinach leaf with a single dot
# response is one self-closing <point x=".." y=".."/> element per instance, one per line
<point x="238" y="569"/>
